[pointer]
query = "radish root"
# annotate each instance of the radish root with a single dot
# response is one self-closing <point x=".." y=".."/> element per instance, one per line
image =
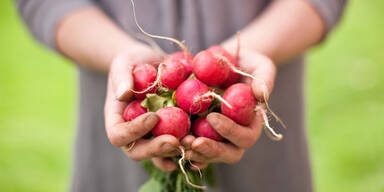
<point x="181" y="165"/>
<point x="217" y="96"/>
<point x="198" y="169"/>
<point x="151" y="42"/>
<point x="180" y="44"/>
<point x="269" y="131"/>
<point x="238" y="46"/>
<point x="157" y="81"/>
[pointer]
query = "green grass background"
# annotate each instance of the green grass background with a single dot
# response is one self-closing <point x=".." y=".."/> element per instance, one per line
<point x="345" y="101"/>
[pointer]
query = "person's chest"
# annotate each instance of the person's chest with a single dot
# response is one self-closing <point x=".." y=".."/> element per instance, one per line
<point x="200" y="23"/>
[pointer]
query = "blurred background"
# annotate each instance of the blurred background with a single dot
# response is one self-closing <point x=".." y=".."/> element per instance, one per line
<point x="345" y="104"/>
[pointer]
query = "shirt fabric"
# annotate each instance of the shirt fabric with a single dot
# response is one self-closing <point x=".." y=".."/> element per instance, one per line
<point x="267" y="166"/>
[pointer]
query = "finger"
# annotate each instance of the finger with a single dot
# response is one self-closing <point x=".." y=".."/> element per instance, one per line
<point x="187" y="141"/>
<point x="164" y="164"/>
<point x="196" y="157"/>
<point x="196" y="166"/>
<point x="121" y="77"/>
<point x="127" y="132"/>
<point x="262" y="69"/>
<point x="113" y="109"/>
<point x="117" y="129"/>
<point x="264" y="74"/>
<point x="161" y="146"/>
<point x="243" y="137"/>
<point x="217" y="151"/>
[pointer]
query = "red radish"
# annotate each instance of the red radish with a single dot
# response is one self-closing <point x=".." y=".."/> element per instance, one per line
<point x="210" y="69"/>
<point x="144" y="77"/>
<point x="172" y="73"/>
<point x="172" y="121"/>
<point x="184" y="58"/>
<point x="201" y="128"/>
<point x="233" y="77"/>
<point x="133" y="110"/>
<point x="240" y="97"/>
<point x="193" y="96"/>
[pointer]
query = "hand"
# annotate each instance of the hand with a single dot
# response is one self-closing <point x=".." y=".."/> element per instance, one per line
<point x="204" y="150"/>
<point x="127" y="134"/>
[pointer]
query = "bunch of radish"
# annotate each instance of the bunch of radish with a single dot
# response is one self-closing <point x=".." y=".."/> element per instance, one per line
<point x="183" y="89"/>
<point x="181" y="95"/>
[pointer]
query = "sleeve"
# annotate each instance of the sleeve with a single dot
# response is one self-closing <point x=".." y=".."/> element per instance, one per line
<point x="330" y="10"/>
<point x="43" y="16"/>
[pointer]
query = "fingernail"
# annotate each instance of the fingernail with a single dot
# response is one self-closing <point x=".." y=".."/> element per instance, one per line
<point x="167" y="147"/>
<point x="150" y="121"/>
<point x="203" y="148"/>
<point x="213" y="121"/>
<point x="123" y="87"/>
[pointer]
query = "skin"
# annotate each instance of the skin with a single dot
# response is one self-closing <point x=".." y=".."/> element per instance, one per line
<point x="90" y="38"/>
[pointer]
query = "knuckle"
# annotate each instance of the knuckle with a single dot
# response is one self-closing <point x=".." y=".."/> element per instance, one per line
<point x="235" y="159"/>
<point x="134" y="132"/>
<point x="134" y="158"/>
<point x="249" y="142"/>
<point x="114" y="140"/>
<point x="151" y="152"/>
<point x="227" y="131"/>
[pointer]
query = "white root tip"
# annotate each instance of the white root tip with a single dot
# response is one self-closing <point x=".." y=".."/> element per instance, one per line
<point x="180" y="44"/>
<point x="198" y="169"/>
<point x="181" y="165"/>
<point x="268" y="129"/>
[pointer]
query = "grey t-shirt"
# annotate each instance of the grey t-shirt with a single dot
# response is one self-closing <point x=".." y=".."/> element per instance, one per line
<point x="267" y="166"/>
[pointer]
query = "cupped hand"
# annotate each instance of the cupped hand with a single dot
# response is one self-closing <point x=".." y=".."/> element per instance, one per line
<point x="204" y="150"/>
<point x="128" y="135"/>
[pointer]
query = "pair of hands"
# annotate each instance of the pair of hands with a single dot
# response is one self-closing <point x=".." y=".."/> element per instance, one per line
<point x="201" y="151"/>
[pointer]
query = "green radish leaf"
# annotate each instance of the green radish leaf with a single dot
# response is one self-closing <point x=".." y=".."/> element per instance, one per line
<point x="154" y="102"/>
<point x="152" y="185"/>
<point x="209" y="175"/>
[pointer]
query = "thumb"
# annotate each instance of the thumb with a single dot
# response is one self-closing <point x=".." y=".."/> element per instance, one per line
<point x="121" y="78"/>
<point x="263" y="82"/>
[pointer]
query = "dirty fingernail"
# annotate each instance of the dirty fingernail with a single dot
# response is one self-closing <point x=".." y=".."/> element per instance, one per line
<point x="168" y="147"/>
<point x="150" y="121"/>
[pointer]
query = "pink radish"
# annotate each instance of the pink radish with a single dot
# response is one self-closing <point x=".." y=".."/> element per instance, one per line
<point x="144" y="77"/>
<point x="184" y="58"/>
<point x="210" y="69"/>
<point x="192" y="96"/>
<point x="172" y="121"/>
<point x="201" y="128"/>
<point x="173" y="72"/>
<point x="240" y="97"/>
<point x="233" y="77"/>
<point x="133" y="110"/>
